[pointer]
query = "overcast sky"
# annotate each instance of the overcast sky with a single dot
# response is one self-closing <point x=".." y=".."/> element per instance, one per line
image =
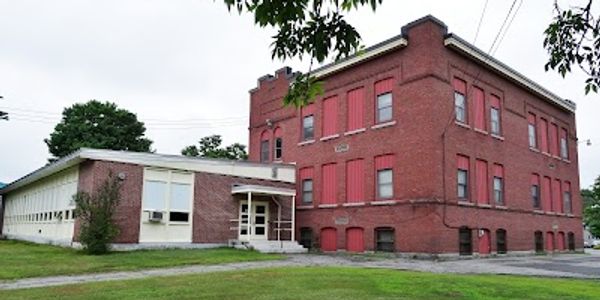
<point x="185" y="67"/>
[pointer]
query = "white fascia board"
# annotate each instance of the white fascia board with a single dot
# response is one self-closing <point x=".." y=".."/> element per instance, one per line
<point x="376" y="50"/>
<point x="260" y="189"/>
<point x="492" y="63"/>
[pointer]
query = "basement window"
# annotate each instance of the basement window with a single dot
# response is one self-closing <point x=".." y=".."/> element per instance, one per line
<point x="384" y="239"/>
<point x="501" y="241"/>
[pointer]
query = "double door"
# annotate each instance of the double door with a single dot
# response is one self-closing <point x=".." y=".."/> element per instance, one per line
<point x="257" y="226"/>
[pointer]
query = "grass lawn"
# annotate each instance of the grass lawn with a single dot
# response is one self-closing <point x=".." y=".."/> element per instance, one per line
<point x="20" y="259"/>
<point x="322" y="283"/>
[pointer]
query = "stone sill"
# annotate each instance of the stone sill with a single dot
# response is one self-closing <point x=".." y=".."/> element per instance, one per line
<point x="307" y="142"/>
<point x="347" y="133"/>
<point x="498" y="137"/>
<point x="304" y="207"/>
<point x="466" y="203"/>
<point x="537" y="211"/>
<point x="329" y="137"/>
<point x="461" y="124"/>
<point x="383" y="202"/>
<point x="566" y="160"/>
<point x="327" y="205"/>
<point x="351" y="204"/>
<point x="483" y="205"/>
<point x="534" y="149"/>
<point x="384" y="124"/>
<point x="480" y="131"/>
<point x="501" y="207"/>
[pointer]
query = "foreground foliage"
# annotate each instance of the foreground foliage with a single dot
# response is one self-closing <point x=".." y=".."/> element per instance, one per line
<point x="322" y="283"/>
<point x="22" y="260"/>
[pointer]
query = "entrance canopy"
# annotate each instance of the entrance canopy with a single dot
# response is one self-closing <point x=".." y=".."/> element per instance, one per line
<point x="262" y="190"/>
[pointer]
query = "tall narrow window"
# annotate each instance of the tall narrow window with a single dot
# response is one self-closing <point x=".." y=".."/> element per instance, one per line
<point x="462" y="178"/>
<point x="481" y="180"/>
<point x="356" y="108"/>
<point x="567" y="206"/>
<point x="465" y="240"/>
<point x="264" y="151"/>
<point x="306" y="185"/>
<point x="571" y="241"/>
<point x="564" y="146"/>
<point x="329" y="186"/>
<point x="383" y="91"/>
<point x="495" y="116"/>
<point x="460" y="100"/>
<point x="554" y="139"/>
<point x="544" y="135"/>
<point x="538" y="237"/>
<point x="556" y="196"/>
<point x="479" y="108"/>
<point x="385" y="176"/>
<point x="531" y="128"/>
<point x="501" y="241"/>
<point x="535" y="191"/>
<point x="499" y="184"/>
<point x="355" y="181"/>
<point x="330" y="115"/>
<point x="308" y="122"/>
<point x="278" y="144"/>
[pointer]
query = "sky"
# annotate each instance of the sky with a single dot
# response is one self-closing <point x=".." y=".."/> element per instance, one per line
<point x="185" y="66"/>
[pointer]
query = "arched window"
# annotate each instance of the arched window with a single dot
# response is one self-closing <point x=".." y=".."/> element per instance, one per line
<point x="571" y="241"/>
<point x="501" y="241"/>
<point x="306" y="237"/>
<point x="355" y="241"/>
<point x="539" y="241"/>
<point x="278" y="144"/>
<point x="264" y="146"/>
<point x="465" y="240"/>
<point x="384" y="239"/>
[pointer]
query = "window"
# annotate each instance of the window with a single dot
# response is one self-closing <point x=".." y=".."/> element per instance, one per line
<point x="460" y="107"/>
<point x="479" y="108"/>
<point x="567" y="206"/>
<point x="155" y="193"/>
<point x="307" y="191"/>
<point x="501" y="241"/>
<point x="178" y="216"/>
<point x="173" y="196"/>
<point x="532" y="130"/>
<point x="278" y="151"/>
<point x="308" y="128"/>
<point x="306" y="237"/>
<point x="384" y="239"/>
<point x="465" y="241"/>
<point x="481" y="182"/>
<point x="495" y="118"/>
<point x="498" y="184"/>
<point x="278" y="144"/>
<point x="356" y="103"/>
<point x="571" y="241"/>
<point x="264" y="151"/>
<point x="330" y="116"/>
<point x="564" y="147"/>
<point x="385" y="177"/>
<point x="463" y="178"/>
<point x="355" y="181"/>
<point x="544" y="135"/>
<point x="384" y="107"/>
<point x="539" y="241"/>
<point x="535" y="191"/>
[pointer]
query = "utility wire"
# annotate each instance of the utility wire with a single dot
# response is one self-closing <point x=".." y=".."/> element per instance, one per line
<point x="480" y="21"/>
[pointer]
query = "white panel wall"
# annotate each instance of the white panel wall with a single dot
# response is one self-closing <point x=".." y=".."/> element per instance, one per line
<point x="43" y="211"/>
<point x="166" y="230"/>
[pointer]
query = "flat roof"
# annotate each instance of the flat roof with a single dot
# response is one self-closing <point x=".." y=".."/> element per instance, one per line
<point x="268" y="171"/>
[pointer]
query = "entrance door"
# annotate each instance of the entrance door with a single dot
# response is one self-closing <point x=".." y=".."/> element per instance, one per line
<point x="258" y="227"/>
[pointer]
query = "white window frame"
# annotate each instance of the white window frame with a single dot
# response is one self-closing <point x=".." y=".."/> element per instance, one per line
<point x="564" y="148"/>
<point x="170" y="177"/>
<point x="498" y="190"/>
<point x="380" y="109"/>
<point x="380" y="184"/>
<point x="305" y="137"/>
<point x="495" y="126"/>
<point x="460" y="107"/>
<point x="532" y="133"/>
<point x="305" y="192"/>
<point x="460" y="185"/>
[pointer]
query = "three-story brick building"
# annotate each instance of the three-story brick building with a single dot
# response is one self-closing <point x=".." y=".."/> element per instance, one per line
<point x="425" y="144"/>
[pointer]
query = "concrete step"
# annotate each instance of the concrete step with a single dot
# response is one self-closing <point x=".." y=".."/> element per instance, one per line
<point x="277" y="246"/>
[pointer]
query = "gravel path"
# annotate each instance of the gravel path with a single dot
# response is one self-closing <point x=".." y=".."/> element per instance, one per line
<point x="572" y="266"/>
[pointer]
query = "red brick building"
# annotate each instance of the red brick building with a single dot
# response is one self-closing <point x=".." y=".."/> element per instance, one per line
<point x="425" y="144"/>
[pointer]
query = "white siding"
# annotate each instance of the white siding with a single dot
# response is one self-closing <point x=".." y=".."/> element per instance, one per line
<point x="43" y="211"/>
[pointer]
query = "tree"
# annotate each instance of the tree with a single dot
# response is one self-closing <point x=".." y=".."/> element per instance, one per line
<point x="100" y="125"/>
<point x="591" y="207"/>
<point x="210" y="146"/>
<point x="318" y="29"/>
<point x="573" y="38"/>
<point x="95" y="213"/>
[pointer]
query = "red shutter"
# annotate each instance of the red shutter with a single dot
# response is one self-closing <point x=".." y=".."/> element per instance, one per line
<point x="498" y="171"/>
<point x="531" y="119"/>
<point x="384" y="162"/>
<point x="544" y="135"/>
<point x="484" y="242"/>
<point x="481" y="182"/>
<point x="560" y="239"/>
<point x="264" y="136"/>
<point x="328" y="239"/>
<point x="495" y="102"/>
<point x="308" y="110"/>
<point x="329" y="186"/>
<point x="460" y="86"/>
<point x="330" y="116"/>
<point x="479" y="108"/>
<point x="567" y="186"/>
<point x="278" y="132"/>
<point x="356" y="109"/>
<point x="535" y="179"/>
<point x="549" y="241"/>
<point x="383" y="86"/>
<point x="355" y="240"/>
<point x="462" y="162"/>
<point x="557" y="195"/>
<point x="355" y="191"/>
<point x="554" y="139"/>
<point x="546" y="194"/>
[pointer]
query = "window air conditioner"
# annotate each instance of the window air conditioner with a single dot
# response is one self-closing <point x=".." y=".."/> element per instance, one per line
<point x="155" y="216"/>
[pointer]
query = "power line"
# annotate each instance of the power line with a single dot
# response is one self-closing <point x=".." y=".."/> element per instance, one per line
<point x="480" y="21"/>
<point x="507" y="27"/>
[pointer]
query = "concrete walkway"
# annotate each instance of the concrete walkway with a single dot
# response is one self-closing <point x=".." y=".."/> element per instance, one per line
<point x="572" y="266"/>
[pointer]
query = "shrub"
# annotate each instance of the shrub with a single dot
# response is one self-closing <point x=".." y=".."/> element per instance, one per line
<point x="95" y="213"/>
<point x="597" y="247"/>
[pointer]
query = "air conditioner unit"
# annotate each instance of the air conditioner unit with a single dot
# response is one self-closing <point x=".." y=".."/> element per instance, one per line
<point x="155" y="216"/>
